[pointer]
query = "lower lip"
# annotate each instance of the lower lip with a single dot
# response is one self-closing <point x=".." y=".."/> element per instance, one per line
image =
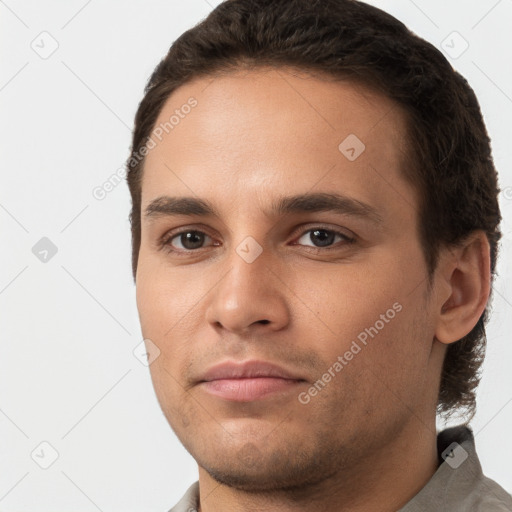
<point x="249" y="389"/>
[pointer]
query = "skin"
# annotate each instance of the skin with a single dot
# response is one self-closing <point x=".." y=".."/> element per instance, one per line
<point x="367" y="440"/>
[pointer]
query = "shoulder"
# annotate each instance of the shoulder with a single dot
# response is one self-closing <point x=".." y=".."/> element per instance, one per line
<point x="489" y="496"/>
<point x="459" y="485"/>
<point x="480" y="492"/>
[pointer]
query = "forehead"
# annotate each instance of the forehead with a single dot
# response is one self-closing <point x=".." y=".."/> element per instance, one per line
<point x="267" y="130"/>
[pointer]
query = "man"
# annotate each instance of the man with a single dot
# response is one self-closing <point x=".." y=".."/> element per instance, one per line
<point x="315" y="227"/>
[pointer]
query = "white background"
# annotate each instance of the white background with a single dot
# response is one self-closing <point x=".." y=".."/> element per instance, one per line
<point x="68" y="326"/>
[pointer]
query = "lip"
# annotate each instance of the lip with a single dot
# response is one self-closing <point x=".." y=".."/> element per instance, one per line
<point x="248" y="381"/>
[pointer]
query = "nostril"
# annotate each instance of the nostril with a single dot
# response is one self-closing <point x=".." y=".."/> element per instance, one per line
<point x="264" y="321"/>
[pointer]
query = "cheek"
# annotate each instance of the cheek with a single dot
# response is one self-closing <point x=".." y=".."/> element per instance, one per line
<point x="163" y="316"/>
<point x="344" y="300"/>
<point x="162" y="300"/>
<point x="373" y="315"/>
<point x="158" y="314"/>
<point x="171" y="314"/>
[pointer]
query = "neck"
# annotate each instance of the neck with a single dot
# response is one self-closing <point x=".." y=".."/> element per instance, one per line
<point x="385" y="480"/>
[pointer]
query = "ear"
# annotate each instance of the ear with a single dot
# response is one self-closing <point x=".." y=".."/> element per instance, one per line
<point x="466" y="272"/>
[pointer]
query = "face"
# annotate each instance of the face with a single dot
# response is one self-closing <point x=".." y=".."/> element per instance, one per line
<point x="281" y="277"/>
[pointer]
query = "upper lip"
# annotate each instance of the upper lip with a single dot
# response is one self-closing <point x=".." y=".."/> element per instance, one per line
<point x="246" y="370"/>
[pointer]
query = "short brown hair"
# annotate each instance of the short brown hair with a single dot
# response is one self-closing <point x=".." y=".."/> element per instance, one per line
<point x="453" y="168"/>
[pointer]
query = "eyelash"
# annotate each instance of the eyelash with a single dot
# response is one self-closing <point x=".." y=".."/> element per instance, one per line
<point x="165" y="241"/>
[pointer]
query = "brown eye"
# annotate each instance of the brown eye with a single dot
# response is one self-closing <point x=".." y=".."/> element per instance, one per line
<point x="320" y="237"/>
<point x="187" y="240"/>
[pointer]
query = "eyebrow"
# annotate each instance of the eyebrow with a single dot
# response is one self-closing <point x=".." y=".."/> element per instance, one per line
<point x="165" y="206"/>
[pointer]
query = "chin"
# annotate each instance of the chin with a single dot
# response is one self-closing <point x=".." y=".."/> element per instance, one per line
<point x="287" y="470"/>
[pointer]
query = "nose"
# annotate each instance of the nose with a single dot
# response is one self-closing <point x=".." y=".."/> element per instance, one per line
<point x="249" y="297"/>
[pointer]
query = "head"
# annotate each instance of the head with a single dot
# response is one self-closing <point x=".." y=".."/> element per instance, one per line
<point x="260" y="116"/>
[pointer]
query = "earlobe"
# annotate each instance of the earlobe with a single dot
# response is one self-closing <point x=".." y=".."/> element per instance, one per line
<point x="468" y="275"/>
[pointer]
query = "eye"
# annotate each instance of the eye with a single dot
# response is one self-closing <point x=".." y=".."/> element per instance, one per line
<point x="192" y="240"/>
<point x="186" y="240"/>
<point x="322" y="237"/>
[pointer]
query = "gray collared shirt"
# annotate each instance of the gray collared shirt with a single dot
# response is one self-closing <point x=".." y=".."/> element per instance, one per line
<point x="458" y="485"/>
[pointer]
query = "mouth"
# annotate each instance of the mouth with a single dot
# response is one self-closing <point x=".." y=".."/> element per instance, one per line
<point x="248" y="381"/>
